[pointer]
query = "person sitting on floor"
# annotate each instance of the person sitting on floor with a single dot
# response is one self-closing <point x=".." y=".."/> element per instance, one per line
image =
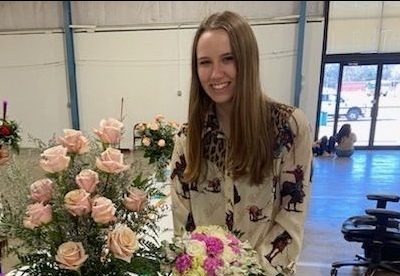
<point x="345" y="139"/>
<point x="324" y="147"/>
<point x="331" y="147"/>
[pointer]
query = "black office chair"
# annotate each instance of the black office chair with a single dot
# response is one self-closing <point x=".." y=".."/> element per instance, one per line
<point x="379" y="233"/>
<point x="137" y="139"/>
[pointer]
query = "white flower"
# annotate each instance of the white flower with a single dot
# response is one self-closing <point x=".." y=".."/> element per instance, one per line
<point x="228" y="255"/>
<point x="196" y="248"/>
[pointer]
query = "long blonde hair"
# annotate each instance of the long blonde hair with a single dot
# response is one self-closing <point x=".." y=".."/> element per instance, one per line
<point x="251" y="142"/>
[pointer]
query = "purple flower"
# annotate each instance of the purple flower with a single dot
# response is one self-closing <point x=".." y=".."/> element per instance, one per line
<point x="214" y="246"/>
<point x="4" y="110"/>
<point x="199" y="237"/>
<point x="234" y="243"/>
<point x="233" y="239"/>
<point x="183" y="263"/>
<point x="235" y="248"/>
<point x="211" y="264"/>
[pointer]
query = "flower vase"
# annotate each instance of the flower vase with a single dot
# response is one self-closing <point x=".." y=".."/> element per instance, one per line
<point x="161" y="172"/>
<point x="5" y="154"/>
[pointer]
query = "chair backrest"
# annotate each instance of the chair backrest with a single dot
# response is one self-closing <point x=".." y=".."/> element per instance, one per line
<point x="137" y="139"/>
<point x="383" y="199"/>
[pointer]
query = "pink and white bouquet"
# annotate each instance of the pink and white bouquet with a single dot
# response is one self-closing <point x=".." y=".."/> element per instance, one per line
<point x="87" y="215"/>
<point x="212" y="251"/>
<point x="158" y="142"/>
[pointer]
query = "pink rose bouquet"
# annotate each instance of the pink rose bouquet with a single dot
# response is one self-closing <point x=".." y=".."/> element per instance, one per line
<point x="87" y="215"/>
<point x="210" y="251"/>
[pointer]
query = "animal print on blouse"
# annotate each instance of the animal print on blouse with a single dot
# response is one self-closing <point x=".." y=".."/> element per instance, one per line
<point x="214" y="142"/>
<point x="285" y="137"/>
<point x="183" y="130"/>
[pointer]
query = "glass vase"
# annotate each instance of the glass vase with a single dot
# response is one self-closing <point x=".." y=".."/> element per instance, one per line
<point x="5" y="154"/>
<point x="161" y="172"/>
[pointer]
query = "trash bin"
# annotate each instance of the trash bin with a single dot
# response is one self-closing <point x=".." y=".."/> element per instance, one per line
<point x="323" y="118"/>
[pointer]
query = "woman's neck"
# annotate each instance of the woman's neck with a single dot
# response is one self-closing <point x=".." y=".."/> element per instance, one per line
<point x="224" y="117"/>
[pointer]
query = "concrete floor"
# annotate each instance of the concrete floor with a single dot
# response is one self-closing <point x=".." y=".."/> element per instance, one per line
<point x="338" y="192"/>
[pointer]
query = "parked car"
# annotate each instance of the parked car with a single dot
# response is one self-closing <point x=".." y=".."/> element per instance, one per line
<point x="350" y="107"/>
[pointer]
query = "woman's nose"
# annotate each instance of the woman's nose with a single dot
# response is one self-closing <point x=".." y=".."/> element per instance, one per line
<point x="217" y="72"/>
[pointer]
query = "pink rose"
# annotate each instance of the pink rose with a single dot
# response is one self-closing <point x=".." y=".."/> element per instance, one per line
<point x="110" y="131"/>
<point x="71" y="255"/>
<point x="42" y="190"/>
<point x="136" y="200"/>
<point x="146" y="141"/>
<point x="103" y="210"/>
<point x="154" y="126"/>
<point x="37" y="214"/>
<point x="161" y="143"/>
<point x="87" y="180"/>
<point x="77" y="202"/>
<point x="122" y="242"/>
<point x="55" y="159"/>
<point x="111" y="161"/>
<point x="74" y="141"/>
<point x="174" y="124"/>
<point x="159" y="118"/>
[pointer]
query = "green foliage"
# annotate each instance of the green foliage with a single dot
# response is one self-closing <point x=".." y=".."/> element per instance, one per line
<point x="9" y="134"/>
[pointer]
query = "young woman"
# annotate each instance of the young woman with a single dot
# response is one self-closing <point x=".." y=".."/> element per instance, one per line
<point x="242" y="160"/>
<point x="345" y="141"/>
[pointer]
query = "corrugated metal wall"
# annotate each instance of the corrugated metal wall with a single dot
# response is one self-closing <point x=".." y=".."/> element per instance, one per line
<point x="24" y="15"/>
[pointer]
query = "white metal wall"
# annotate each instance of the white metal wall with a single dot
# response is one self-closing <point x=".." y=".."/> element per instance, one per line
<point x="147" y="68"/>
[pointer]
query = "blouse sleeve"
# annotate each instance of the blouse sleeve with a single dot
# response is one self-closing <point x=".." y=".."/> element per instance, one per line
<point x="284" y="241"/>
<point x="180" y="195"/>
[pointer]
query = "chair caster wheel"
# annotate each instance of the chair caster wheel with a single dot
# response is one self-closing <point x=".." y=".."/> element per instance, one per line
<point x="333" y="272"/>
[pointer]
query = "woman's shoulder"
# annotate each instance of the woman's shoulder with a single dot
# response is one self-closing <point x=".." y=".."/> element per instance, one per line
<point x="280" y="111"/>
<point x="287" y="115"/>
<point x="183" y="130"/>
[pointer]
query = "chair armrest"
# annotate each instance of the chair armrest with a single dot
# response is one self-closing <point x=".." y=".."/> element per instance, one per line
<point x="383" y="213"/>
<point x="383" y="199"/>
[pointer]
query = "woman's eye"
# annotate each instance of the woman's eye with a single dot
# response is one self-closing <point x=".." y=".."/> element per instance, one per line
<point x="228" y="59"/>
<point x="204" y="62"/>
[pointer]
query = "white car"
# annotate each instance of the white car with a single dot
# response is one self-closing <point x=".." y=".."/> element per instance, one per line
<point x="351" y="107"/>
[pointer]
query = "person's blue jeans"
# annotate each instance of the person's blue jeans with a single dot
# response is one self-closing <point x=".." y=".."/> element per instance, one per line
<point x="344" y="153"/>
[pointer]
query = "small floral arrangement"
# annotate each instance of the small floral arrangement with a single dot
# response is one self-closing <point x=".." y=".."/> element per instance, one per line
<point x="9" y="132"/>
<point x="158" y="141"/>
<point x="89" y="215"/>
<point x="210" y="250"/>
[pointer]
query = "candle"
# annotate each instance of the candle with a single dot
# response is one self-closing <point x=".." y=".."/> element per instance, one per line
<point x="4" y="110"/>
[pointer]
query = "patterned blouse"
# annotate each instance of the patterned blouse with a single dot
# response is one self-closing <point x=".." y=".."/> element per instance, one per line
<point x="270" y="215"/>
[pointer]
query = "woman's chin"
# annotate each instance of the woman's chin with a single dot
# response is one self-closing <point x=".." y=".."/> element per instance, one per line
<point x="221" y="98"/>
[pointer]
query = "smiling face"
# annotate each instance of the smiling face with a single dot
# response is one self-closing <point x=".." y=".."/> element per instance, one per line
<point x="216" y="66"/>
